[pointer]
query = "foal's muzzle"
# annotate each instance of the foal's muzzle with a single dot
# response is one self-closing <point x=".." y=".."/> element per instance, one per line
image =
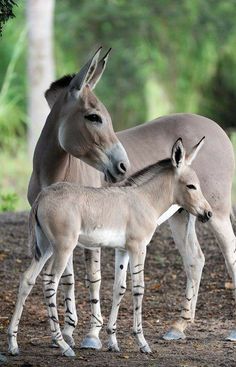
<point x="205" y="217"/>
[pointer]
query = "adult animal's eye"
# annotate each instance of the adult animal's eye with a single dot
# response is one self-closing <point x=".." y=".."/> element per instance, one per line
<point x="94" y="118"/>
<point x="191" y="187"/>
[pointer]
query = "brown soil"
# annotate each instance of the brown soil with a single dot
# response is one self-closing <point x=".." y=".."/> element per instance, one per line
<point x="165" y="283"/>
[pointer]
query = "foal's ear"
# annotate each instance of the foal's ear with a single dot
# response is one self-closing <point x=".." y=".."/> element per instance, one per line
<point x="194" y="152"/>
<point x="99" y="70"/>
<point x="84" y="75"/>
<point x="178" y="154"/>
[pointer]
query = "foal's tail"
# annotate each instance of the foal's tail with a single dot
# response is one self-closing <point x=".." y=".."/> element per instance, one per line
<point x="33" y="221"/>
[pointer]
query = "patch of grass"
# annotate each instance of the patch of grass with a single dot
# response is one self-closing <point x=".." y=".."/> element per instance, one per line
<point x="15" y="170"/>
<point x="8" y="202"/>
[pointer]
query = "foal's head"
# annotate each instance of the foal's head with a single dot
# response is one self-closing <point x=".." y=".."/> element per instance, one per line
<point x="85" y="126"/>
<point x="187" y="191"/>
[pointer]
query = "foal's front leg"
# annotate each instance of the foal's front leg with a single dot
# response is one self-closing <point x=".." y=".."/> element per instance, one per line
<point x="93" y="281"/>
<point x="137" y="256"/>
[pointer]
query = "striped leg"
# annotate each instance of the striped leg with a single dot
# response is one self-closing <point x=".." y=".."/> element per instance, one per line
<point x="223" y="230"/>
<point x="183" y="230"/>
<point x="119" y="288"/>
<point x="93" y="281"/>
<point x="71" y="319"/>
<point x="26" y="284"/>
<point x="51" y="280"/>
<point x="137" y="260"/>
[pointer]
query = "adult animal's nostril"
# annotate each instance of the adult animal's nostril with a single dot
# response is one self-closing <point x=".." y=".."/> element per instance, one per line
<point x="209" y="214"/>
<point x="121" y="167"/>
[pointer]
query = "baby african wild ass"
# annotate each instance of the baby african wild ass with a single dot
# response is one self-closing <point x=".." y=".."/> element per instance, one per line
<point x="122" y="217"/>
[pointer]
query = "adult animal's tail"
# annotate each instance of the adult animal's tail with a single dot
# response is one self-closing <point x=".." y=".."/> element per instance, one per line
<point x="33" y="222"/>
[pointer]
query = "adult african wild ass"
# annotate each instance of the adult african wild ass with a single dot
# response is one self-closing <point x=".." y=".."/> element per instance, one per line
<point x="145" y="144"/>
<point x="123" y="217"/>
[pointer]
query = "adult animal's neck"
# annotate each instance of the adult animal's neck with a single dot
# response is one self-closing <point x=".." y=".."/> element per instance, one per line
<point x="50" y="162"/>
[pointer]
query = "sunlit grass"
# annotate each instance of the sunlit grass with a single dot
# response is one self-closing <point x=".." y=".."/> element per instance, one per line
<point x="14" y="177"/>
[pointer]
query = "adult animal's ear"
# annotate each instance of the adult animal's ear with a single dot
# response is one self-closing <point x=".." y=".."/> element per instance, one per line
<point x="84" y="76"/>
<point x="99" y="70"/>
<point x="178" y="154"/>
<point x="194" y="152"/>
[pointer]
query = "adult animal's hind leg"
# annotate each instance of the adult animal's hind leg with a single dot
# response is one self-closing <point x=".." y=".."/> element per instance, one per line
<point x="223" y="231"/>
<point x="93" y="281"/>
<point x="184" y="234"/>
<point x="26" y="284"/>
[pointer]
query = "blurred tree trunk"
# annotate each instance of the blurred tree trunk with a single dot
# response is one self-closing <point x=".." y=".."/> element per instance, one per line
<point x="40" y="67"/>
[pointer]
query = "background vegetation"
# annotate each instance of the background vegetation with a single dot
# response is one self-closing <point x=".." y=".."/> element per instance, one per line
<point x="168" y="56"/>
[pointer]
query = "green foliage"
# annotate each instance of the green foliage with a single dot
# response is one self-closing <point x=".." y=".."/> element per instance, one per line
<point x="8" y="202"/>
<point x="6" y="12"/>
<point x="179" y="43"/>
<point x="221" y="92"/>
<point x="12" y="115"/>
<point x="15" y="172"/>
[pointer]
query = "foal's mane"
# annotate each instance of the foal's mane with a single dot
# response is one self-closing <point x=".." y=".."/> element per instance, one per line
<point x="146" y="173"/>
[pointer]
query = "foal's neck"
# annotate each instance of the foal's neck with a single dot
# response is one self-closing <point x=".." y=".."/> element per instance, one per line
<point x="158" y="191"/>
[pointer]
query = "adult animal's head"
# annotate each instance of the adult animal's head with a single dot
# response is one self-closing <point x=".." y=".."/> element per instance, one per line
<point x="84" y="125"/>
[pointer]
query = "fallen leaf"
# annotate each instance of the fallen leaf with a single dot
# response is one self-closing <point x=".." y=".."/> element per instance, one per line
<point x="229" y="285"/>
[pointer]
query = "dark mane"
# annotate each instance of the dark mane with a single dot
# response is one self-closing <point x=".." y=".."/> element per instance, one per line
<point x="56" y="89"/>
<point x="146" y="173"/>
<point x="62" y="82"/>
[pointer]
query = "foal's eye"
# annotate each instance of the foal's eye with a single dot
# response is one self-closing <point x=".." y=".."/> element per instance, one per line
<point x="191" y="187"/>
<point x="94" y="118"/>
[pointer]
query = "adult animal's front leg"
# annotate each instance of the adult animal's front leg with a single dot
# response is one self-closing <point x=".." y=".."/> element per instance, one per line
<point x="119" y="288"/>
<point x="184" y="234"/>
<point x="93" y="282"/>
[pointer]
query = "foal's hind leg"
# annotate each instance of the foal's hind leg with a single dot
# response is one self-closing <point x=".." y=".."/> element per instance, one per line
<point x="26" y="284"/>
<point x="71" y="319"/>
<point x="183" y="230"/>
<point x="52" y="277"/>
<point x="224" y="233"/>
<point x="93" y="281"/>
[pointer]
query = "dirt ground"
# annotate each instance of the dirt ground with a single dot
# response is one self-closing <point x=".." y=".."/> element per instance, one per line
<point x="165" y="283"/>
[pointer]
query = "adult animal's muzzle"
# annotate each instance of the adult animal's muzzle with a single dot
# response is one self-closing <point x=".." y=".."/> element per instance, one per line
<point x="205" y="217"/>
